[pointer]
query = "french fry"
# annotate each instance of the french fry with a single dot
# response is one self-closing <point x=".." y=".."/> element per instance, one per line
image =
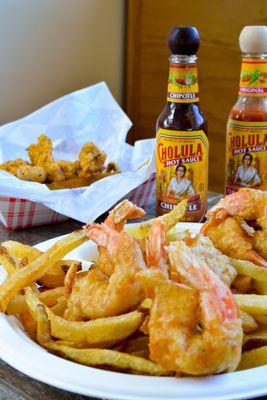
<point x="60" y="307"/>
<point x="112" y="358"/>
<point x="93" y="357"/>
<point x="242" y="283"/>
<point x="27" y="254"/>
<point x="17" y="305"/>
<point x="141" y="230"/>
<point x="259" y="286"/>
<point x="252" y="303"/>
<point x="173" y="236"/>
<point x="253" y="358"/>
<point x="248" y="322"/>
<point x="56" y="274"/>
<point x="146" y="305"/>
<point x="21" y="251"/>
<point x="49" y="297"/>
<point x="30" y="324"/>
<point x="44" y="332"/>
<point x="262" y="319"/>
<point x="247" y="268"/>
<point x="70" y="279"/>
<point x="169" y="220"/>
<point x="259" y="334"/>
<point x="35" y="270"/>
<point x="10" y="264"/>
<point x="91" y="332"/>
<point x="7" y="260"/>
<point x="136" y="344"/>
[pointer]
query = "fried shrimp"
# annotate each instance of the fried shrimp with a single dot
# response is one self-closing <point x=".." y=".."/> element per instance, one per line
<point x="203" y="248"/>
<point x="230" y="237"/>
<point x="248" y="204"/>
<point x="91" y="160"/>
<point x="116" y="219"/>
<point x="96" y="295"/>
<point x="260" y="243"/>
<point x="194" y="326"/>
<point x="228" y="230"/>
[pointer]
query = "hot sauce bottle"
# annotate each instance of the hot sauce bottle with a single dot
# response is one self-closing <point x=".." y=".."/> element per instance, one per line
<point x="246" y="140"/>
<point x="182" y="147"/>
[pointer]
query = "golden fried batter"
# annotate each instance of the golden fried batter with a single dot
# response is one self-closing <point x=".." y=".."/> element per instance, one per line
<point x="41" y="152"/>
<point x="91" y="160"/>
<point x="13" y="165"/>
<point x="249" y="204"/>
<point x="33" y="174"/>
<point x="203" y="248"/>
<point x="69" y="168"/>
<point x="40" y="155"/>
<point x="260" y="243"/>
<point x="230" y="238"/>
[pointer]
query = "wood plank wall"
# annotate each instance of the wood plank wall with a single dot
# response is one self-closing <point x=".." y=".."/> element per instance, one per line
<point x="219" y="23"/>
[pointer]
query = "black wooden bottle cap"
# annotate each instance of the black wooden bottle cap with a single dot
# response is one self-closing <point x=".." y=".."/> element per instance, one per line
<point x="183" y="40"/>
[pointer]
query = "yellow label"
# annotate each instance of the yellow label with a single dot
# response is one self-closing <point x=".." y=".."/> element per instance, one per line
<point x="182" y="171"/>
<point x="182" y="84"/>
<point x="246" y="155"/>
<point x="253" y="79"/>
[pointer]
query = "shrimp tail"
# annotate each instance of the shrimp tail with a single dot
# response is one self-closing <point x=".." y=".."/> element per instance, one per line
<point x="254" y="257"/>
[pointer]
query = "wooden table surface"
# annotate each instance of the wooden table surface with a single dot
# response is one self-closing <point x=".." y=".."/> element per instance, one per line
<point x="13" y="384"/>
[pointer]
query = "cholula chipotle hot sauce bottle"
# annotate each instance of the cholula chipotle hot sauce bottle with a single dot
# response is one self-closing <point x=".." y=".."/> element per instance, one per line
<point x="246" y="141"/>
<point x="182" y="147"/>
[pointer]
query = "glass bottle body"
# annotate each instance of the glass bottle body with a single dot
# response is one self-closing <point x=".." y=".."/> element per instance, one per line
<point x="182" y="145"/>
<point x="246" y="141"/>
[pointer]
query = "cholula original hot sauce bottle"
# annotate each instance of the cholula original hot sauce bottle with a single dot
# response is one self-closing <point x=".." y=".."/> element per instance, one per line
<point x="182" y="147"/>
<point x="246" y="140"/>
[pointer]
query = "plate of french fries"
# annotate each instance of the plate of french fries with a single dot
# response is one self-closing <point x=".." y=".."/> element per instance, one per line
<point x="150" y="310"/>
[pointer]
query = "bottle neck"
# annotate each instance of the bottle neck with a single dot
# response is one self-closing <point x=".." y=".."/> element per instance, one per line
<point x="253" y="77"/>
<point x="183" y="82"/>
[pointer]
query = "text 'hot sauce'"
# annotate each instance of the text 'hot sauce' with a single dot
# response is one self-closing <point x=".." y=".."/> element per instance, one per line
<point x="246" y="141"/>
<point x="182" y="147"/>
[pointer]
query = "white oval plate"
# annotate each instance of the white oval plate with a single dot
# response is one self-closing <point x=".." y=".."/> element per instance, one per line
<point x="18" y="350"/>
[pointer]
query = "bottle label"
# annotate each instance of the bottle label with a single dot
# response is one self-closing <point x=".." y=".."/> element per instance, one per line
<point x="246" y="155"/>
<point x="253" y="79"/>
<point x="182" y="171"/>
<point x="182" y="83"/>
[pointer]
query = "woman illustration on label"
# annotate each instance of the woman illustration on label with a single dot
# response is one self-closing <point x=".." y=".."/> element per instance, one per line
<point x="246" y="175"/>
<point x="179" y="185"/>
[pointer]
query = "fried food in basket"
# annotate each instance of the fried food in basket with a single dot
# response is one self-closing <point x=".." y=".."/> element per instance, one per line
<point x="32" y="173"/>
<point x="155" y="302"/>
<point x="61" y="174"/>
<point x="40" y="155"/>
<point x="78" y="182"/>
<point x="91" y="160"/>
<point x="13" y="165"/>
